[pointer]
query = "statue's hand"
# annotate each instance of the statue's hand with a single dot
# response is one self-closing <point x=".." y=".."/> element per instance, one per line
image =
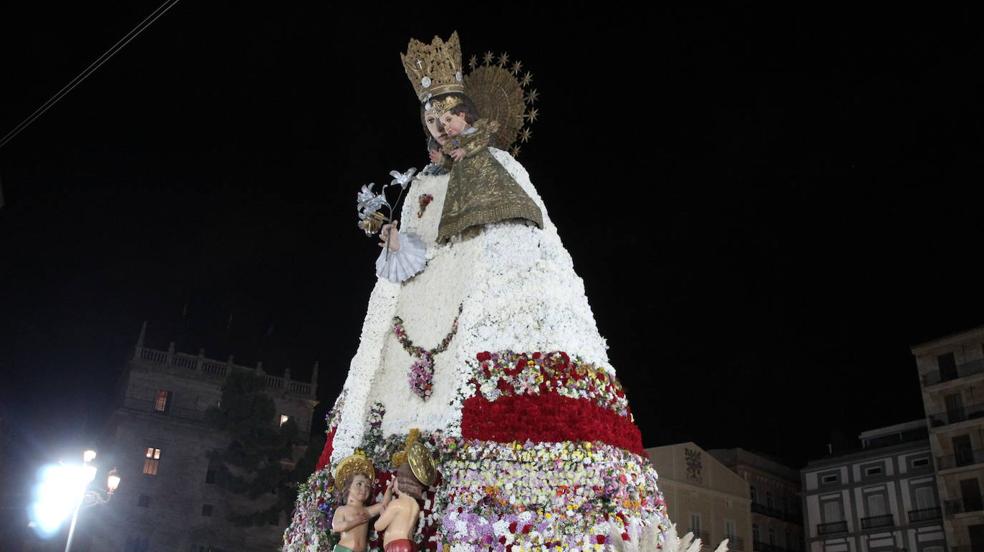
<point x="389" y="235"/>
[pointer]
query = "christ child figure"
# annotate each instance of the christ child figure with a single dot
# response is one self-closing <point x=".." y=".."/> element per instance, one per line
<point x="354" y="478"/>
<point x="480" y="190"/>
<point x="399" y="519"/>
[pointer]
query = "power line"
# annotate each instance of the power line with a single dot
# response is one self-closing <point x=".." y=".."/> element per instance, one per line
<point x="120" y="44"/>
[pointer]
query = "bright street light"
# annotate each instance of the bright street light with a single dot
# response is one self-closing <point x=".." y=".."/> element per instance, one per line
<point x="61" y="490"/>
<point x="64" y="490"/>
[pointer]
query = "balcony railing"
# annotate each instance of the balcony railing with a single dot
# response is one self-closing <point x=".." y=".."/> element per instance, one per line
<point x="955" y="415"/>
<point x="785" y="515"/>
<point x="217" y="369"/>
<point x="953" y="507"/>
<point x="925" y="514"/>
<point x="767" y="511"/>
<point x="963" y="370"/>
<point x="875" y="522"/>
<point x="832" y="527"/>
<point x="961" y="458"/>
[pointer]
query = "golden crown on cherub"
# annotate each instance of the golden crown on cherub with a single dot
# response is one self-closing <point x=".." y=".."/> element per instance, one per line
<point x="435" y="68"/>
<point x="357" y="463"/>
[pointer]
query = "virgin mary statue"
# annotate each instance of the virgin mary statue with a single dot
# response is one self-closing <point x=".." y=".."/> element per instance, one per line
<point x="480" y="363"/>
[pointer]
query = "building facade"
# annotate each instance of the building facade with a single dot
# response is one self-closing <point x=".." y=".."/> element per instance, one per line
<point x="882" y="497"/>
<point x="951" y="373"/>
<point x="774" y="491"/>
<point x="168" y="500"/>
<point x="703" y="496"/>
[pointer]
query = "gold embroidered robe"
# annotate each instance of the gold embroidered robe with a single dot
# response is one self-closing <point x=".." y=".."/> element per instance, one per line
<point x="480" y="190"/>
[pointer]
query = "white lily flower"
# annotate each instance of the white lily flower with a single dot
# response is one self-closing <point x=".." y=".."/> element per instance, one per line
<point x="402" y="179"/>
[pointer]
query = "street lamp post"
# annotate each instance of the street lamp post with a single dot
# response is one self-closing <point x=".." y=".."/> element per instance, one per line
<point x="92" y="497"/>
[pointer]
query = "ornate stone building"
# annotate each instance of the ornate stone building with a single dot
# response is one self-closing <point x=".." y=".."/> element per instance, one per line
<point x="703" y="496"/>
<point x="168" y="500"/>
<point x="774" y="489"/>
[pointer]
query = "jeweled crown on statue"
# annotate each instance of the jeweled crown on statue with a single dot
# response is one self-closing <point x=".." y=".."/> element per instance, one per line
<point x="435" y="68"/>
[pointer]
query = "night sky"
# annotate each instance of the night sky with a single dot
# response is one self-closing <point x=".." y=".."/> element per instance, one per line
<point x="767" y="207"/>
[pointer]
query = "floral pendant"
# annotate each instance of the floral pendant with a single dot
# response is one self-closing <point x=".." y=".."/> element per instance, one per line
<point x="421" y="376"/>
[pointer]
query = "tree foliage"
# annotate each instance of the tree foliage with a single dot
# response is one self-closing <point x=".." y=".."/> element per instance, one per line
<point x="257" y="461"/>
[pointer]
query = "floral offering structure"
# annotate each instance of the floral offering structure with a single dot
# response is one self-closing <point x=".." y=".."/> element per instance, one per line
<point x="488" y="355"/>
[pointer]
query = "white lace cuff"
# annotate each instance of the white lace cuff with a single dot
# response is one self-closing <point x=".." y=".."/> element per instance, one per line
<point x="401" y="265"/>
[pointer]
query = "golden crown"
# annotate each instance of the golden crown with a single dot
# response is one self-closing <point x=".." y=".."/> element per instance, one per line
<point x="441" y="106"/>
<point x="419" y="457"/>
<point x="400" y="457"/>
<point x="358" y="463"/>
<point x="434" y="68"/>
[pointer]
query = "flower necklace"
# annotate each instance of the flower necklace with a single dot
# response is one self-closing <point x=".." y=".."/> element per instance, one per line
<point x="421" y="377"/>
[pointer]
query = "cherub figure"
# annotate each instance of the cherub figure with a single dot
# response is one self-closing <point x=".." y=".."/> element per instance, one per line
<point x="399" y="519"/>
<point x="354" y="478"/>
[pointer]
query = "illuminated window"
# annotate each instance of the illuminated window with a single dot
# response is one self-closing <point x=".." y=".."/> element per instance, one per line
<point x="163" y="401"/>
<point x="152" y="460"/>
<point x="283" y="419"/>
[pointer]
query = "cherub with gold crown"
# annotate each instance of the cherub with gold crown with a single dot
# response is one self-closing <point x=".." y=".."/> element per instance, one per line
<point x="415" y="472"/>
<point x="353" y="483"/>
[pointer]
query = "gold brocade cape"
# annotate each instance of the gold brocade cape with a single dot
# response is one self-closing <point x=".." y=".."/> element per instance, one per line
<point x="480" y="190"/>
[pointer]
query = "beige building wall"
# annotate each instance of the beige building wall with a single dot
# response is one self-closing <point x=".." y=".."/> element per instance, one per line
<point x="777" y="518"/>
<point x="951" y="374"/>
<point x="703" y="496"/>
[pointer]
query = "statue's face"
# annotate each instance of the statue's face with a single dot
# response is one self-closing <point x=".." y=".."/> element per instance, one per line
<point x="453" y="123"/>
<point x="433" y="124"/>
<point x="359" y="491"/>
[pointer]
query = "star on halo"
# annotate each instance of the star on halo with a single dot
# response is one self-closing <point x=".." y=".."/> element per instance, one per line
<point x="503" y="59"/>
<point x="514" y="151"/>
<point x="473" y="62"/>
<point x="488" y="57"/>
<point x="532" y="97"/>
<point x="527" y="79"/>
<point x="516" y="67"/>
<point x="525" y="135"/>
<point x="533" y="114"/>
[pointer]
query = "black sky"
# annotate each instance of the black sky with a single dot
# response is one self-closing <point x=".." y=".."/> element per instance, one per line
<point x="767" y="207"/>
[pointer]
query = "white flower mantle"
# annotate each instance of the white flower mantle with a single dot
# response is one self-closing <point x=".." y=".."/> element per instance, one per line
<point x="518" y="290"/>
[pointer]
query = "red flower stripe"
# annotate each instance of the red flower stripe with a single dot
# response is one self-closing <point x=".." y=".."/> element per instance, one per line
<point x="325" y="457"/>
<point x="547" y="417"/>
